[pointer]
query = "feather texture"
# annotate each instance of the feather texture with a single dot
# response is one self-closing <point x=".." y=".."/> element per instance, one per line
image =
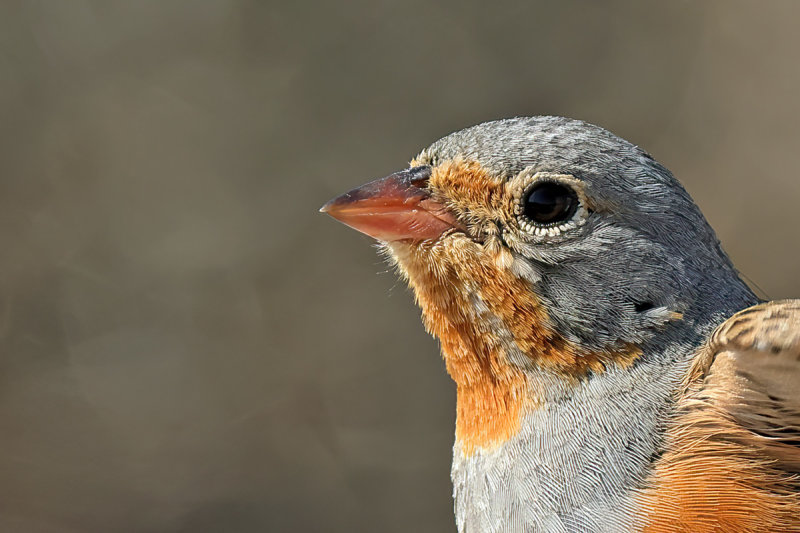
<point x="733" y="451"/>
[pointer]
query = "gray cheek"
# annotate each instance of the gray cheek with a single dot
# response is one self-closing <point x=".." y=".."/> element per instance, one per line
<point x="613" y="286"/>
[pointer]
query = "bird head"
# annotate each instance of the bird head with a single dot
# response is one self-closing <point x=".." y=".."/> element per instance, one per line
<point x="542" y="247"/>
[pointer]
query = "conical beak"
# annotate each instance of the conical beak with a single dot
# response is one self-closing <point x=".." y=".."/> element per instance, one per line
<point x="395" y="208"/>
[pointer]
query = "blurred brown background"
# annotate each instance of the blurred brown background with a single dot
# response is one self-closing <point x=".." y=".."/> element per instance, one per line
<point x="186" y="345"/>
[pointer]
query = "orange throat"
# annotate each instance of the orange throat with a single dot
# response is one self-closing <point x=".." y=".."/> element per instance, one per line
<point x="494" y="334"/>
<point x="492" y="393"/>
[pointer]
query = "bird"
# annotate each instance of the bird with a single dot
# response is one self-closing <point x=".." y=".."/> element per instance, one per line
<point x="613" y="371"/>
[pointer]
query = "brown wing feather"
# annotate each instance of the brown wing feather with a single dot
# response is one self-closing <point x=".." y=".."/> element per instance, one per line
<point x="754" y="377"/>
<point x="732" y="452"/>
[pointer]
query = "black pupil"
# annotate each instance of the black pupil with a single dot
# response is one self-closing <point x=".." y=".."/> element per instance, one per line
<point x="550" y="203"/>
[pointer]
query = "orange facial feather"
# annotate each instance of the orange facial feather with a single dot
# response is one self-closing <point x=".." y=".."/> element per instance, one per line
<point x="481" y="312"/>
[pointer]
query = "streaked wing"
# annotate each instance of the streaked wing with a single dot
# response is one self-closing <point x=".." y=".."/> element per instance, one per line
<point x="754" y="378"/>
<point x="732" y="454"/>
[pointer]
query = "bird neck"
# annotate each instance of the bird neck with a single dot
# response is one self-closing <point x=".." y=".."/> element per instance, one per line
<point x="540" y="416"/>
<point x="584" y="446"/>
<point x="495" y="335"/>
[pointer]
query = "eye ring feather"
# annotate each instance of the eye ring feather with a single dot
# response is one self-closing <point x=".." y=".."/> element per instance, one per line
<point x="559" y="204"/>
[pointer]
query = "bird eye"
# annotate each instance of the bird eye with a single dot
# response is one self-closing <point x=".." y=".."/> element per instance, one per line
<point x="549" y="203"/>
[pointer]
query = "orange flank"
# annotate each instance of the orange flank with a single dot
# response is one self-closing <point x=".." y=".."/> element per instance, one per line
<point x="705" y="484"/>
<point x="715" y="475"/>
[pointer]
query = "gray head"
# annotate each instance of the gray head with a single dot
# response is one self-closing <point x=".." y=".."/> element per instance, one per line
<point x="609" y="245"/>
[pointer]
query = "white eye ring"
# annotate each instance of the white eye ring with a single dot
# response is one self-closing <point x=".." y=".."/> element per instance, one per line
<point x="521" y="185"/>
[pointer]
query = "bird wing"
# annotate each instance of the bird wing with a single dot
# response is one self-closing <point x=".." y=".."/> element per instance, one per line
<point x="732" y="453"/>
<point x="749" y="372"/>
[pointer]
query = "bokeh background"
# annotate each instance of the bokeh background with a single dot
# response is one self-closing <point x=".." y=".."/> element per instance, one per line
<point x="186" y="345"/>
